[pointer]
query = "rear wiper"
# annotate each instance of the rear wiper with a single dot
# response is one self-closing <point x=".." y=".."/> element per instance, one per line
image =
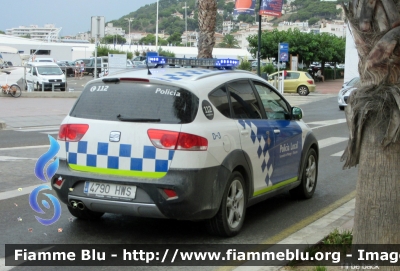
<point x="121" y="118"/>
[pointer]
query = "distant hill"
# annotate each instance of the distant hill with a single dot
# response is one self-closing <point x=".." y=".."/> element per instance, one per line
<point x="145" y="17"/>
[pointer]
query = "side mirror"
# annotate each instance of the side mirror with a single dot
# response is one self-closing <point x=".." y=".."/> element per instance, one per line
<point x="34" y="73"/>
<point x="297" y="113"/>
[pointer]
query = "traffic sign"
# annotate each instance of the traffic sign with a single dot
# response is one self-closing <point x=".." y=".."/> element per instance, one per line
<point x="283" y="52"/>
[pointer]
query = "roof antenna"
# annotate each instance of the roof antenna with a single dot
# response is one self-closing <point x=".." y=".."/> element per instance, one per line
<point x="148" y="69"/>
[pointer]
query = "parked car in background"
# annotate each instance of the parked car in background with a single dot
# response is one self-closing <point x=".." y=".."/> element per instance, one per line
<point x="346" y="90"/>
<point x="68" y="67"/>
<point x="295" y="82"/>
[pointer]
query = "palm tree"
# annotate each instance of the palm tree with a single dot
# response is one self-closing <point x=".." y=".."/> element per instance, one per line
<point x="207" y="19"/>
<point x="373" y="117"/>
<point x="229" y="41"/>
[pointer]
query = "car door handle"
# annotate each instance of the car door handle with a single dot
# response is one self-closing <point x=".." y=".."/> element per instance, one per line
<point x="277" y="131"/>
<point x="244" y="132"/>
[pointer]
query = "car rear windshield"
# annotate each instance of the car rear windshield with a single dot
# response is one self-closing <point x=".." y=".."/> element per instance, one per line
<point x="136" y="102"/>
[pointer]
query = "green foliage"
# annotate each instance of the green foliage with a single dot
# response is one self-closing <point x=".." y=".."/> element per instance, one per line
<point x="269" y="68"/>
<point x="2" y="32"/>
<point x="229" y="41"/>
<point x="162" y="52"/>
<point x="308" y="46"/>
<point x="338" y="238"/>
<point x="110" y="39"/>
<point x="175" y="39"/>
<point x="312" y="21"/>
<point x="104" y="50"/>
<point x="320" y="268"/>
<point x="151" y="39"/>
<point x="245" y="65"/>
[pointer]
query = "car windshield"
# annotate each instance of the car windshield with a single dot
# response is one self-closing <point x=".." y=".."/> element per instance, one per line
<point x="353" y="82"/>
<point x="136" y="102"/>
<point x="49" y="70"/>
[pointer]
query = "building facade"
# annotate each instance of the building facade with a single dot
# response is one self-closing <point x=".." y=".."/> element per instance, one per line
<point x="46" y="32"/>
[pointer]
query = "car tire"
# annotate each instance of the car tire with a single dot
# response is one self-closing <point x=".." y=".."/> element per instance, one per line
<point x="230" y="217"/>
<point x="341" y="107"/>
<point x="303" y="90"/>
<point x="309" y="177"/>
<point x="85" y="214"/>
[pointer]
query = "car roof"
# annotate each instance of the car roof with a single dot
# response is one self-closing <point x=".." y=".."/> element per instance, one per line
<point x="39" y="64"/>
<point x="185" y="77"/>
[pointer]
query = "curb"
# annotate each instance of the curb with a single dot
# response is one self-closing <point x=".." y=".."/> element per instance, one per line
<point x="47" y="94"/>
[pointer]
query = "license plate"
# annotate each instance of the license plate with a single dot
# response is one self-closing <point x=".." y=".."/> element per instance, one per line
<point x="109" y="190"/>
<point x="56" y="84"/>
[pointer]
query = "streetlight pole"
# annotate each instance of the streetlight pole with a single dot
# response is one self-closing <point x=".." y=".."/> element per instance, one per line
<point x="185" y="7"/>
<point x="129" y="27"/>
<point x="157" y="28"/>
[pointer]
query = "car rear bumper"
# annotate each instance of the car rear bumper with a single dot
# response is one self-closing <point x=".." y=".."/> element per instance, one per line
<point x="198" y="195"/>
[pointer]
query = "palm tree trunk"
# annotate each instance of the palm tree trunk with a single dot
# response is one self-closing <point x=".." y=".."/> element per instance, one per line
<point x="207" y="19"/>
<point x="373" y="117"/>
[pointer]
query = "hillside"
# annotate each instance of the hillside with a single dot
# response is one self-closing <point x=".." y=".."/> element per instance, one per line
<point x="145" y="17"/>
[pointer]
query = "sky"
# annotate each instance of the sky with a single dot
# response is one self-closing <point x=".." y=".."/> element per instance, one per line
<point x="73" y="16"/>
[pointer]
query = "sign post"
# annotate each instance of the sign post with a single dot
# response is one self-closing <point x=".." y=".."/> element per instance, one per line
<point x="283" y="55"/>
<point x="98" y="32"/>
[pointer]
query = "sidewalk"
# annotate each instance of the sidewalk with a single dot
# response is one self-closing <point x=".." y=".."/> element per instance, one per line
<point x="329" y="86"/>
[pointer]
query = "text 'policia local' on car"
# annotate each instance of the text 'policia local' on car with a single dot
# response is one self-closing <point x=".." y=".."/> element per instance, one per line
<point x="183" y="143"/>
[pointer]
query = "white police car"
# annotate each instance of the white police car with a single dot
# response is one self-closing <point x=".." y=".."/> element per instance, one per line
<point x="187" y="143"/>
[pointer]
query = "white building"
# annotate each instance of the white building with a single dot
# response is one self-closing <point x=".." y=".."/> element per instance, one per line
<point x="48" y="31"/>
<point x="111" y="30"/>
<point x="227" y="27"/>
<point x="337" y="28"/>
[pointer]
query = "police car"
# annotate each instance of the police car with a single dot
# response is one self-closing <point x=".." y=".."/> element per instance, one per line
<point x="185" y="143"/>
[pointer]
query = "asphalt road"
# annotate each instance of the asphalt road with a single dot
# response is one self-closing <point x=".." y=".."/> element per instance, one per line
<point x="266" y="222"/>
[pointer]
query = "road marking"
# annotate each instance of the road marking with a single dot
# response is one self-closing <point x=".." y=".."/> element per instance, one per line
<point x="325" y="123"/>
<point x="25" y="147"/>
<point x="35" y="129"/>
<point x="330" y="141"/>
<point x="338" y="153"/>
<point x="50" y="132"/>
<point x="16" y="193"/>
<point x="12" y="158"/>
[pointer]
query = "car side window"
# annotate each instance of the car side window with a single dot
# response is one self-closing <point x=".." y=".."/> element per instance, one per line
<point x="243" y="100"/>
<point x="275" y="107"/>
<point x="219" y="99"/>
<point x="293" y="75"/>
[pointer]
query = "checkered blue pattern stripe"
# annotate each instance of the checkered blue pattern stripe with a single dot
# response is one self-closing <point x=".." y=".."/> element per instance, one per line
<point x="119" y="156"/>
<point x="260" y="139"/>
<point x="176" y="76"/>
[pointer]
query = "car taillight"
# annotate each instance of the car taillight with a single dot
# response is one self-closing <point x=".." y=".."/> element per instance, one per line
<point x="177" y="140"/>
<point x="311" y="82"/>
<point x="72" y="132"/>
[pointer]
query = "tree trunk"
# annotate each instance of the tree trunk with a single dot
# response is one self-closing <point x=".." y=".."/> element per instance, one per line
<point x="373" y="117"/>
<point x="207" y="19"/>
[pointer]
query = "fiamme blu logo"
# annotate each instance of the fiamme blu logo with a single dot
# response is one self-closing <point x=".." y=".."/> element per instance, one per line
<point x="45" y="168"/>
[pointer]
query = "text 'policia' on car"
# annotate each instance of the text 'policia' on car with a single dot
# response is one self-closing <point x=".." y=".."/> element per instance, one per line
<point x="194" y="143"/>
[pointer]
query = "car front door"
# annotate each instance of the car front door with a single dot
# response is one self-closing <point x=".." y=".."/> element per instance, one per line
<point x="287" y="135"/>
<point x="256" y="134"/>
<point x="291" y="81"/>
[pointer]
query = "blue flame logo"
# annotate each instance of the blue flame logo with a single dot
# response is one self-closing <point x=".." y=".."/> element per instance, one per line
<point x="45" y="174"/>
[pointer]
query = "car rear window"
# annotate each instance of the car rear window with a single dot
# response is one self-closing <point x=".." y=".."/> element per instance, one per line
<point x="308" y="75"/>
<point x="144" y="101"/>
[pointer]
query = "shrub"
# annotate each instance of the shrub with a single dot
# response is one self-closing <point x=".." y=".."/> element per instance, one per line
<point x="245" y="65"/>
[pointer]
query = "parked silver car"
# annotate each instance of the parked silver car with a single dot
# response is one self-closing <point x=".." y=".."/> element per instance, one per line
<point x="346" y="90"/>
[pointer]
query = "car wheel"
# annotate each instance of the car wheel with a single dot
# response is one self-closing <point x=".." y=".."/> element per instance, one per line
<point x="341" y="107"/>
<point x="308" y="177"/>
<point x="84" y="214"/>
<point x="229" y="219"/>
<point x="303" y="90"/>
